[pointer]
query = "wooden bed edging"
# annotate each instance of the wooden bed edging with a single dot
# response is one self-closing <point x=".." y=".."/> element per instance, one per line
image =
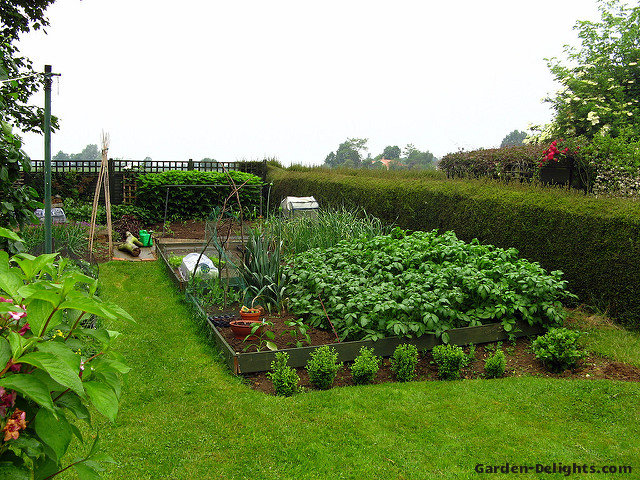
<point x="162" y="245"/>
<point x="348" y="351"/>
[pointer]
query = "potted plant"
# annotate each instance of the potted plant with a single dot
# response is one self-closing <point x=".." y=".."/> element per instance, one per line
<point x="250" y="316"/>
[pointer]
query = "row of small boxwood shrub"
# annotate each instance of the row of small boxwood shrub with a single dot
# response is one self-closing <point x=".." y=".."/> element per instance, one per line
<point x="594" y="241"/>
<point x="558" y="350"/>
<point x="191" y="201"/>
<point x="323" y="367"/>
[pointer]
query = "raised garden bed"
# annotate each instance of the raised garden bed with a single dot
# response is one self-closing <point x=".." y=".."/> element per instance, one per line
<point x="251" y="362"/>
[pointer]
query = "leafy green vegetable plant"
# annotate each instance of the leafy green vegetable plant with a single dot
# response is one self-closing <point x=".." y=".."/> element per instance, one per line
<point x="558" y="349"/>
<point x="449" y="359"/>
<point x="188" y="202"/>
<point x="298" y="332"/>
<point x="264" y="336"/>
<point x="495" y="365"/>
<point x="323" y="366"/>
<point x="365" y="366"/>
<point x="404" y="362"/>
<point x="285" y="379"/>
<point x="52" y="368"/>
<point x="420" y="283"/>
<point x="175" y="260"/>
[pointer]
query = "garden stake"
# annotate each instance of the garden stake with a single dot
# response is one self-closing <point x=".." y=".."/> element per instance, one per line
<point x="330" y="322"/>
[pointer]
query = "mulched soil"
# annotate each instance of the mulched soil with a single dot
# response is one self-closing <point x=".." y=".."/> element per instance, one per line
<point x="283" y="334"/>
<point x="520" y="361"/>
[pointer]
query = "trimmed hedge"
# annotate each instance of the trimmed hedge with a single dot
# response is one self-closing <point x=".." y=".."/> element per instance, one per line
<point x="188" y="202"/>
<point x="594" y="241"/>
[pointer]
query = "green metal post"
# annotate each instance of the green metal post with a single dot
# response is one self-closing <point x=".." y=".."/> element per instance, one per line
<point x="47" y="160"/>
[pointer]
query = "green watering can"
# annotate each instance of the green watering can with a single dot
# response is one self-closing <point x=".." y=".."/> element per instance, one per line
<point x="145" y="238"/>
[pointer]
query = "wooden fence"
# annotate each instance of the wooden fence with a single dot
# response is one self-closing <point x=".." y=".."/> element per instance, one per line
<point x="122" y="173"/>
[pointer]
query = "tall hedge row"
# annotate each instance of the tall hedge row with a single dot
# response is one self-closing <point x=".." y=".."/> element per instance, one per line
<point x="595" y="241"/>
<point x="194" y="199"/>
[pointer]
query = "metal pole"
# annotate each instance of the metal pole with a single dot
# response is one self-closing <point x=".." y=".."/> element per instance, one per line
<point x="48" y="248"/>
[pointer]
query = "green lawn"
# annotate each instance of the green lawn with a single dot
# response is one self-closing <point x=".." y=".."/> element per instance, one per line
<point x="184" y="416"/>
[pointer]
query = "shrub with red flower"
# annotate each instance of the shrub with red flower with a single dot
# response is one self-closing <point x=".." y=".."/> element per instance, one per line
<point x="554" y="153"/>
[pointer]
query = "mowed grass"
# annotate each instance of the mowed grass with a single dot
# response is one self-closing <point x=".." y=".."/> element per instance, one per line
<point x="605" y="338"/>
<point x="184" y="416"/>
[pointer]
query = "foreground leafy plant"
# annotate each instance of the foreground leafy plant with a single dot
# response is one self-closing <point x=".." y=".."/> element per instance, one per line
<point x="420" y="283"/>
<point x="323" y="366"/>
<point x="365" y="366"/>
<point x="285" y="379"/>
<point x="404" y="362"/>
<point x="50" y="366"/>
<point x="558" y="349"/>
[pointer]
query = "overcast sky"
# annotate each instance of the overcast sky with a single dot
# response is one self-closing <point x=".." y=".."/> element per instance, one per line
<point x="293" y="79"/>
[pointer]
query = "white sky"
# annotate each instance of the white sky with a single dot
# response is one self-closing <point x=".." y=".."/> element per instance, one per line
<point x="293" y="79"/>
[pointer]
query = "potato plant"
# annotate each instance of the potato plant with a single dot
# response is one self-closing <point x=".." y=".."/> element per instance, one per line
<point x="421" y="283"/>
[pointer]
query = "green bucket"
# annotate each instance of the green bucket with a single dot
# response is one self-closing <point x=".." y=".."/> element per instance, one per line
<point x="145" y="238"/>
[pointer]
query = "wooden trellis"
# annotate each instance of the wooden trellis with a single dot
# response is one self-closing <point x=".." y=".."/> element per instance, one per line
<point x="103" y="180"/>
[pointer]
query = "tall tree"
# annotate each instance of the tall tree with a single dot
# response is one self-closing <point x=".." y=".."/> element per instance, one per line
<point x="392" y="153"/>
<point x="348" y="154"/>
<point x="18" y="17"/>
<point x="90" y="152"/>
<point x="600" y="79"/>
<point x="513" y="138"/>
<point x="414" y="158"/>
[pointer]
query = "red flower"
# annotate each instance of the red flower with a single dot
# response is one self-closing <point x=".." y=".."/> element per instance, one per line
<point x="7" y="400"/>
<point x="24" y="329"/>
<point x="17" y="422"/>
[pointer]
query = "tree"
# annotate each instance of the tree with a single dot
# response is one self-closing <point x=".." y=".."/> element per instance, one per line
<point x="61" y="156"/>
<point x="19" y="17"/>
<point x="392" y="153"/>
<point x="18" y="202"/>
<point x="348" y="154"/>
<point x="90" y="152"/>
<point x="601" y="81"/>
<point x="514" y="138"/>
<point x="414" y="158"/>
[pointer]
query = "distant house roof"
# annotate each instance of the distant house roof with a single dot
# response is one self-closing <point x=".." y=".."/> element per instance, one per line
<point x="386" y="162"/>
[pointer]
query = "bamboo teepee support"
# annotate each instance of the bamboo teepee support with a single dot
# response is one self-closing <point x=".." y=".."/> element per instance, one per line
<point x="103" y="179"/>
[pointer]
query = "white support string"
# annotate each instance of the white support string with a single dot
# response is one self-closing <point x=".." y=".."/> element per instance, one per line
<point x="20" y="78"/>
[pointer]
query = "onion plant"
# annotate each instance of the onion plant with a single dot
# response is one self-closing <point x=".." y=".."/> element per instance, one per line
<point x="324" y="230"/>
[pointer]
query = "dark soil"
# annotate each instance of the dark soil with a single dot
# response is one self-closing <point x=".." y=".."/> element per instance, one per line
<point x="520" y="362"/>
<point x="285" y="336"/>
